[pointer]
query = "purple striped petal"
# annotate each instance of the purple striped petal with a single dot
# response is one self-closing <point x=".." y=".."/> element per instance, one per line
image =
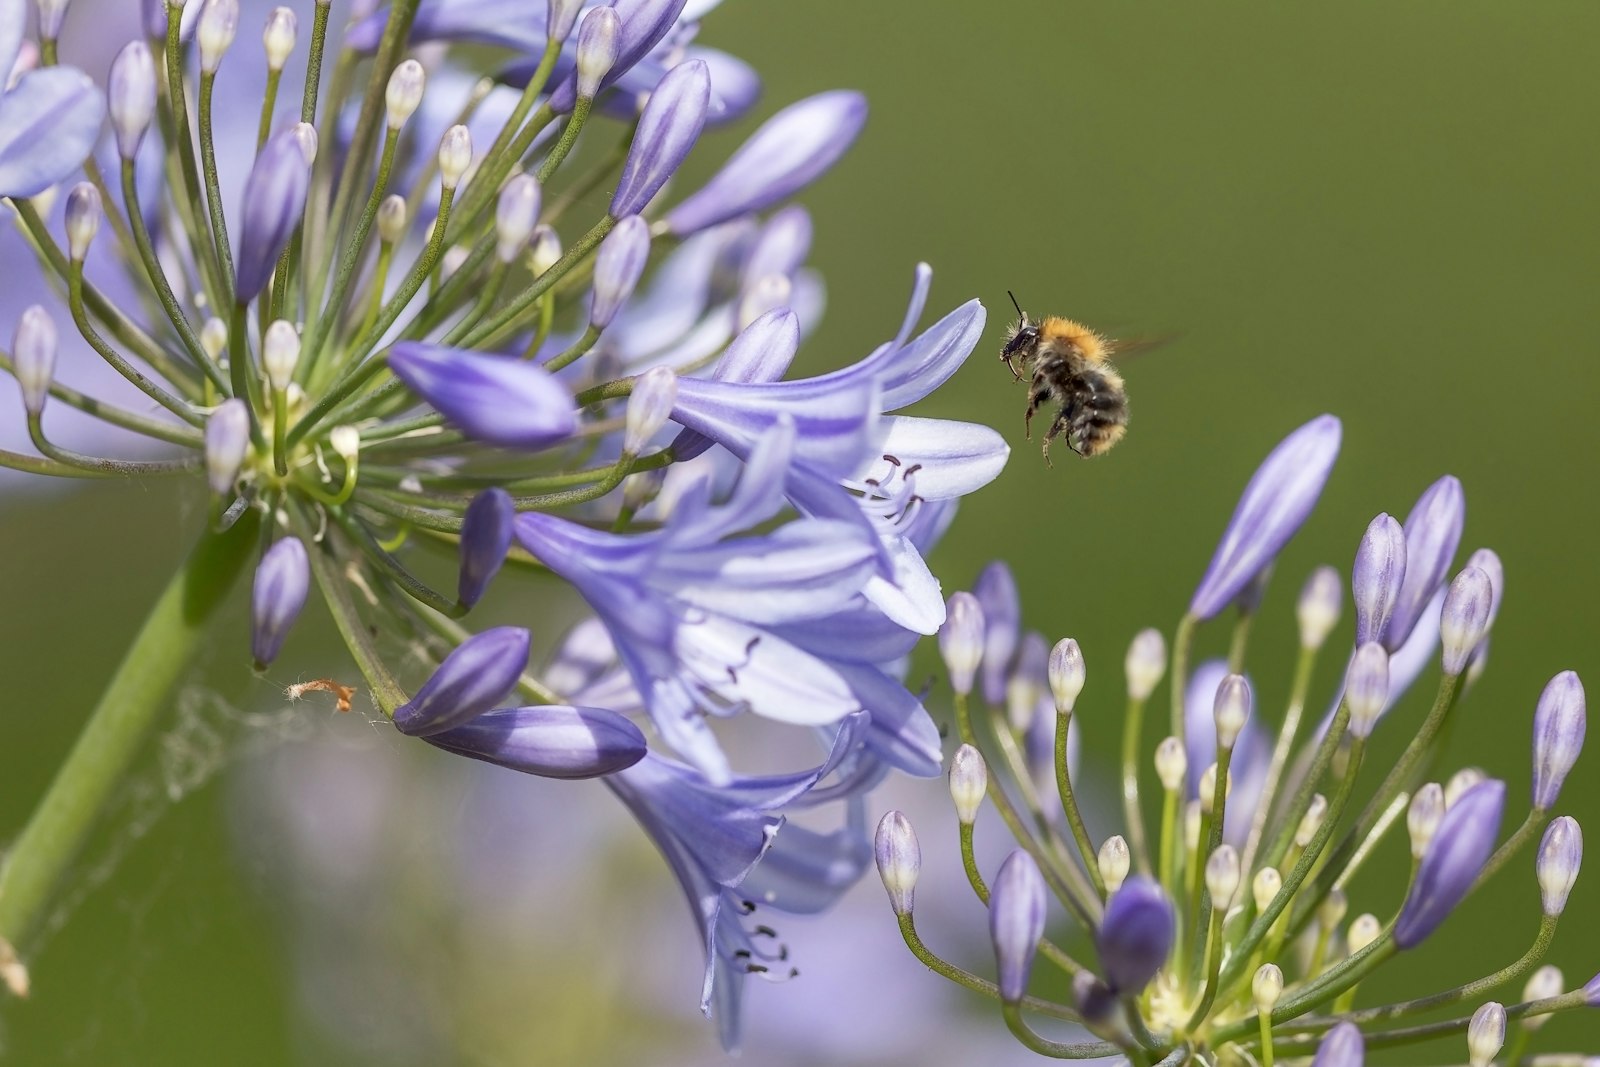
<point x="789" y="151"/>
<point x="668" y="128"/>
<point x="552" y="741"/>
<point x="1433" y="533"/>
<point x="496" y="399"/>
<point x="48" y="126"/>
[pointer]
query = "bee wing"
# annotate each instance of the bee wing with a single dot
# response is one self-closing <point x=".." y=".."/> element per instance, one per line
<point x="1123" y="348"/>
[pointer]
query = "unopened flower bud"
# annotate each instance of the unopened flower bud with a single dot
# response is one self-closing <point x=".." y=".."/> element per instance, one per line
<point x="1486" y="1034"/>
<point x="490" y="398"/>
<point x="1364" y="930"/>
<point x="1332" y="910"/>
<point x="961" y="640"/>
<point x="618" y="265"/>
<point x="51" y="14"/>
<point x="1489" y="563"/>
<point x="1459" y="783"/>
<point x="1318" y="608"/>
<point x="485" y="538"/>
<point x="1192" y="815"/>
<point x="455" y="155"/>
<point x="515" y="214"/>
<point x="1546" y="982"/>
<point x="1172" y="763"/>
<point x="1222" y="876"/>
<point x="1452" y="863"/>
<point x="1366" y="688"/>
<point x="305" y="138"/>
<point x="404" y="93"/>
<point x="1375" y="580"/>
<point x="768" y="292"/>
<point x="219" y="22"/>
<point x="1311" y="822"/>
<point x="1231" y="709"/>
<point x="1093" y="998"/>
<point x="1560" y="856"/>
<point x="1135" y="935"/>
<point x="1267" y="987"/>
<point x="544" y="249"/>
<point x="1145" y="663"/>
<point x="561" y="17"/>
<point x="1423" y="816"/>
<point x="1264" y="887"/>
<point x="649" y="406"/>
<point x="274" y="201"/>
<point x="597" y="48"/>
<point x="1016" y="922"/>
<point x="1433" y="532"/>
<point x="345" y="442"/>
<point x="1559" y="724"/>
<point x="33" y="357"/>
<point x="131" y="96"/>
<point x="83" y="219"/>
<point x="1206" y="789"/>
<point x="1025" y="688"/>
<point x="1464" y="622"/>
<point x="969" y="782"/>
<point x="1066" y="674"/>
<point x="214" y="338"/>
<point x="278" y="37"/>
<point x="996" y="590"/>
<point x="668" y="128"/>
<point x="899" y="859"/>
<point x="280" y="354"/>
<point x="1113" y="861"/>
<point x="392" y="219"/>
<point x="227" y="439"/>
<point x="283" y="579"/>
<point x="1342" y="1046"/>
<point x="478" y="675"/>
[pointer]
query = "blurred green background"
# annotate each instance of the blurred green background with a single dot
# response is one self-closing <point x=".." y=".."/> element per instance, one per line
<point x="1383" y="210"/>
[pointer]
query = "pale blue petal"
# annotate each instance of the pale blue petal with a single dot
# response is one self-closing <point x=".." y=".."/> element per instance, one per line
<point x="48" y="126"/>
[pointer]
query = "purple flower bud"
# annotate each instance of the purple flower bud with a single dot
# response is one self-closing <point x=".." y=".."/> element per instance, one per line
<point x="472" y="680"/>
<point x="227" y="440"/>
<point x="1274" y="505"/>
<point x="649" y="406"/>
<point x="791" y="150"/>
<point x="996" y="591"/>
<point x="1559" y="724"/>
<point x="1366" y="687"/>
<point x="597" y="49"/>
<point x="1016" y="922"/>
<point x="1341" y="1046"/>
<point x="83" y="214"/>
<point x="485" y="539"/>
<point x="969" y="783"/>
<point x="455" y="156"/>
<point x="1375" y="580"/>
<point x="131" y="96"/>
<point x="1456" y="854"/>
<point x="274" y="198"/>
<point x="1135" y="935"/>
<point x="1231" y="708"/>
<point x="668" y="128"/>
<point x="899" y="859"/>
<point x="1433" y="532"/>
<point x="562" y="16"/>
<point x="495" y="399"/>
<point x="1591" y="992"/>
<point x="961" y="640"/>
<point x="643" y="24"/>
<point x="1489" y="563"/>
<point x="1093" y="998"/>
<point x="1066" y="674"/>
<point x="1464" y="622"/>
<point x="552" y="741"/>
<point x="51" y="14"/>
<point x="515" y="215"/>
<point x="283" y="578"/>
<point x="155" y="18"/>
<point x="33" y="357"/>
<point x="618" y="266"/>
<point x="1560" y="856"/>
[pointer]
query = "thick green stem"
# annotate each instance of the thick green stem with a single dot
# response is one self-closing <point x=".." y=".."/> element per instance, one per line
<point x="128" y="713"/>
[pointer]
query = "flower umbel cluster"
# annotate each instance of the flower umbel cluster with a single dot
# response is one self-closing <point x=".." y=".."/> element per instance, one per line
<point x="1239" y="929"/>
<point x="390" y="307"/>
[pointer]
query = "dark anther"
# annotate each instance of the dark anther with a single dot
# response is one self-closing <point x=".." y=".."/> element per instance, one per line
<point x="891" y="459"/>
<point x="741" y="954"/>
<point x="909" y="471"/>
<point x="755" y="968"/>
<point x="765" y="931"/>
<point x="872" y="482"/>
<point x="747" y="907"/>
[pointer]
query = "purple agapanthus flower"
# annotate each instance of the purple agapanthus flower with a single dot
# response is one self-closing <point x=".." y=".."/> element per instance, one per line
<point x="49" y="117"/>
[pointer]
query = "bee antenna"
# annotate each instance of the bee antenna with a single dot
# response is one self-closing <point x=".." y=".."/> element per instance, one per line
<point x="1013" y="296"/>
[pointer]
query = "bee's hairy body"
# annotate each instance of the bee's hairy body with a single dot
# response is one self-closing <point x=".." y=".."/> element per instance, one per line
<point x="1072" y="371"/>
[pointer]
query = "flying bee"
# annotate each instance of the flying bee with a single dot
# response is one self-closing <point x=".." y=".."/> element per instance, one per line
<point x="1071" y="368"/>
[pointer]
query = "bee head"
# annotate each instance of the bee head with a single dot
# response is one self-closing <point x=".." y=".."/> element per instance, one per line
<point x="1021" y="339"/>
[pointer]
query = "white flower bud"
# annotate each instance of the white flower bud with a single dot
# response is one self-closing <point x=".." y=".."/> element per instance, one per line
<point x="1332" y="910"/>
<point x="219" y="22"/>
<point x="899" y="860"/>
<point x="961" y="640"/>
<point x="598" y="43"/>
<point x="1423" y="817"/>
<point x="345" y="442"/>
<point x="969" y="782"/>
<point x="1486" y="1034"/>
<point x="1191" y="826"/>
<point x="1460" y="782"/>
<point x="131" y="96"/>
<point x="1172" y="763"/>
<point x="1066" y="674"/>
<point x="392" y="219"/>
<point x="1364" y="930"/>
<point x="214" y="338"/>
<point x="1222" y="876"/>
<point x="1208" y="788"/>
<point x="33" y="357"/>
<point x="1546" y="982"/>
<point x="544" y="250"/>
<point x="83" y="219"/>
<point x="1267" y="987"/>
<point x="1560" y="856"/>
<point x="515" y="214"/>
<point x="1318" y="608"/>
<point x="1145" y="663"/>
<point x="1231" y="709"/>
<point x="766" y="293"/>
<point x="1366" y="687"/>
<point x="455" y="156"/>
<point x="305" y="135"/>
<point x="404" y="94"/>
<point x="280" y="354"/>
<point x="227" y="441"/>
<point x="649" y="407"/>
<point x="562" y="16"/>
<point x="278" y="37"/>
<point x="1264" y="886"/>
<point x="1311" y="822"/>
<point x="1114" y="862"/>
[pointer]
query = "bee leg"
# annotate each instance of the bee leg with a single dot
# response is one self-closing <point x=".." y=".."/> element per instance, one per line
<point x="1057" y="425"/>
